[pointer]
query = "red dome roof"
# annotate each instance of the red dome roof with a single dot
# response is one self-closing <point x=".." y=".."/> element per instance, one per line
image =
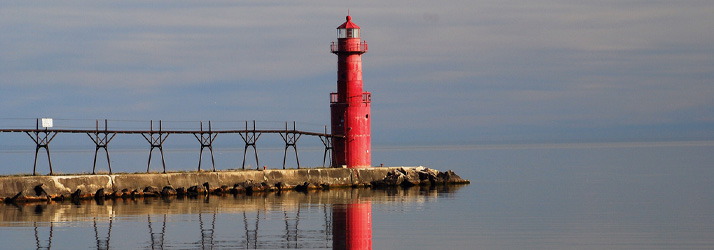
<point x="349" y="24"/>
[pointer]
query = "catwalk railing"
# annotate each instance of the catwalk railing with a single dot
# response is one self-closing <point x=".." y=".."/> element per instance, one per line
<point x="101" y="135"/>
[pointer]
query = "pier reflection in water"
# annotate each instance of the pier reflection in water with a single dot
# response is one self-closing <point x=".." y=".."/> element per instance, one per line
<point x="336" y="219"/>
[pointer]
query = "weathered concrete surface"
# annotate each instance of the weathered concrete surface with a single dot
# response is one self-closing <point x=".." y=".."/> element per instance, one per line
<point x="39" y="188"/>
<point x="54" y="186"/>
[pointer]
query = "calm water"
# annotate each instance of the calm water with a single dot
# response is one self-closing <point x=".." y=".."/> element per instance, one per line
<point x="566" y="196"/>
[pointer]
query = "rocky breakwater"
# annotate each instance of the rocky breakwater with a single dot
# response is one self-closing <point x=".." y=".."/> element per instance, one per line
<point x="418" y="176"/>
<point x="129" y="186"/>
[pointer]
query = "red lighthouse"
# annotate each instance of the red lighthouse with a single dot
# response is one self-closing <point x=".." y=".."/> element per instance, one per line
<point x="350" y="106"/>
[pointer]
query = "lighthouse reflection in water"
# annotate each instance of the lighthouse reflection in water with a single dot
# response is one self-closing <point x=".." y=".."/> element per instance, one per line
<point x="352" y="226"/>
<point x="335" y="219"/>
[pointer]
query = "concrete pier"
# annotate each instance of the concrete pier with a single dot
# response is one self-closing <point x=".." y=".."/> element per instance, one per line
<point x="38" y="188"/>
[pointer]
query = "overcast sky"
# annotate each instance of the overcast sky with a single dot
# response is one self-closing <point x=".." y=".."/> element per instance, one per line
<point x="440" y="72"/>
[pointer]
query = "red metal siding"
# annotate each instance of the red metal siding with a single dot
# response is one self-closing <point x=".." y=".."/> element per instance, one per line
<point x="350" y="106"/>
